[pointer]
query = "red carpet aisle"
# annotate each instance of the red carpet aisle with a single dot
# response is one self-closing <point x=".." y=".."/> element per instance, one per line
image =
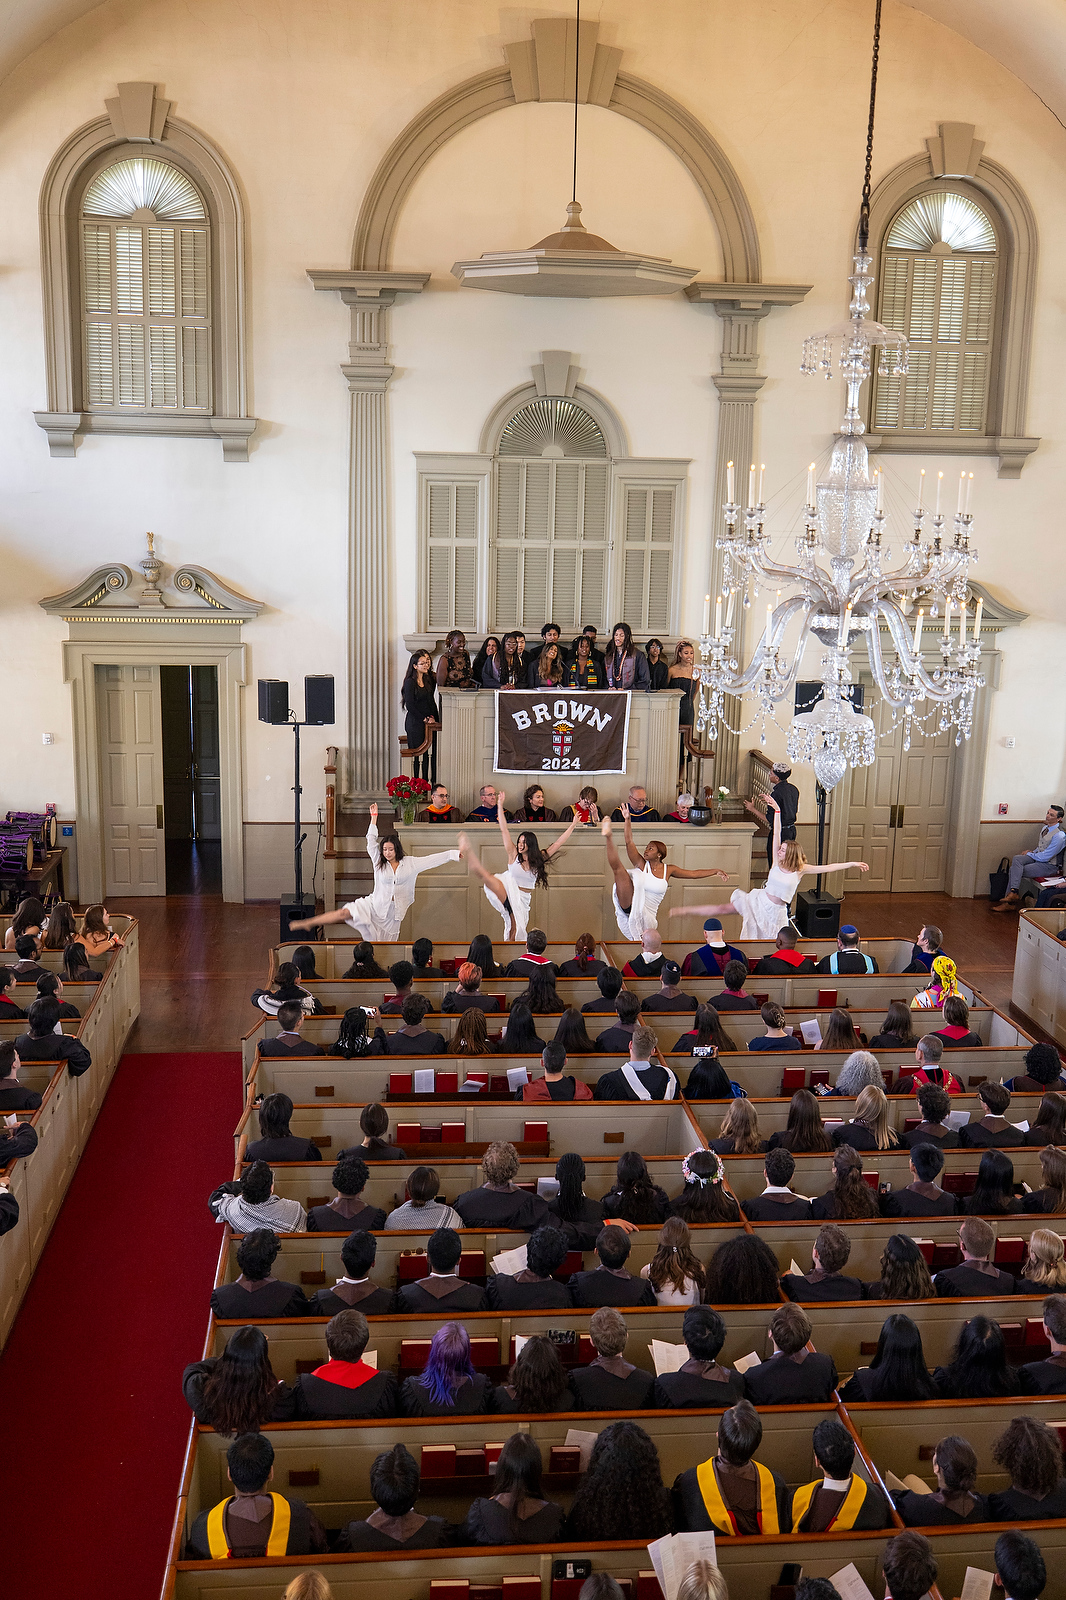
<point x="95" y="1435"/>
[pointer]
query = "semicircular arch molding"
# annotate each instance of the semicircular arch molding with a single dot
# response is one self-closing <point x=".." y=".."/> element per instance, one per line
<point x="602" y="413"/>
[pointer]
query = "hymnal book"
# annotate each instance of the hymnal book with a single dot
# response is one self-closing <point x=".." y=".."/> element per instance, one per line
<point x="371" y="1358"/>
<point x="492" y="1455"/>
<point x="414" y="1353"/>
<point x="470" y="1462"/>
<point x="399" y="1083"/>
<point x="673" y="1555"/>
<point x="447" y="1083"/>
<point x="471" y="1264"/>
<point x="510" y="1261"/>
<point x="534" y="1132"/>
<point x="474" y="1082"/>
<point x="1022" y="1127"/>
<point x="412" y="1265"/>
<point x="526" y="1588"/>
<point x="668" y="1357"/>
<point x="438" y="1461"/>
<point x="449" y="1588"/>
<point x="425" y="1080"/>
<point x="453" y="1133"/>
<point x="564" y="1458"/>
<point x="408" y="1133"/>
<point x="795" y="1268"/>
<point x="484" y="1351"/>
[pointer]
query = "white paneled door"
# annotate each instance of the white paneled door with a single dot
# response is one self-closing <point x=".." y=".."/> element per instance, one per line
<point x="899" y="812"/>
<point x="131" y="780"/>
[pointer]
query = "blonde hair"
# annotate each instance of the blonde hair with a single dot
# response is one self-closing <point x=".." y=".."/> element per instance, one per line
<point x="702" y="1580"/>
<point x="741" y="1124"/>
<point x="1046" y="1265"/>
<point x="872" y="1107"/>
<point x="794" y="857"/>
<point x="309" y="1586"/>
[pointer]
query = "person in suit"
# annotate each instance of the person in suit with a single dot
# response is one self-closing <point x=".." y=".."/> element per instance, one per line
<point x="699" y="1384"/>
<point x="711" y="959"/>
<point x="975" y="1277"/>
<point x="276" y="1142"/>
<point x="499" y="1204"/>
<point x="620" y="1034"/>
<point x="49" y="986"/>
<point x="556" y="1083"/>
<point x="443" y="1292"/>
<point x="448" y="1385"/>
<point x="535" y="1288"/>
<point x="733" y="1493"/>
<point x="993" y="1131"/>
<point x="609" y="1284"/>
<point x="786" y="961"/>
<point x="847" y="959"/>
<point x="345" y="1387"/>
<point x="826" y="1280"/>
<point x="935" y="1106"/>
<point x="256" y="1294"/>
<point x="1021" y="1571"/>
<point x="841" y="1500"/>
<point x="923" y="1196"/>
<point x="537" y="1381"/>
<point x="534" y="959"/>
<point x="610" y="1382"/>
<point x="42" y="1043"/>
<point x="395" y="1524"/>
<point x="778" y="1202"/>
<point x="641" y="1078"/>
<point x="255" y="1520"/>
<point x="9" y="1011"/>
<point x="793" y="1375"/>
<point x="1030" y="1453"/>
<point x="1049" y="1376"/>
<point x="955" y="1499"/>
<point x="356" y="1290"/>
<point x="13" y="1096"/>
<point x="669" y="997"/>
<point x="468" y="996"/>
<point x="346" y="1212"/>
<point x="413" y="1038"/>
<point x="287" y="1041"/>
<point x="732" y="997"/>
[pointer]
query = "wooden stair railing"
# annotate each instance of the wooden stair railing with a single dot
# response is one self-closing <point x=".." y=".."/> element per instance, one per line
<point x="412" y="752"/>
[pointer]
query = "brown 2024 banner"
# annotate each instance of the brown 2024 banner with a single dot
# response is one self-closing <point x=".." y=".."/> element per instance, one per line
<point x="561" y="730"/>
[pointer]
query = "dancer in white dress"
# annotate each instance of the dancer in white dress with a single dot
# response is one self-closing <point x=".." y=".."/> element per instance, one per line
<point x="511" y="892"/>
<point x="378" y="916"/>
<point x="639" y="890"/>
<point x="765" y="910"/>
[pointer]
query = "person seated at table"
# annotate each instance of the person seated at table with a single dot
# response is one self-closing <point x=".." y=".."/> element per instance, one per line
<point x="956" y="1033"/>
<point x="979" y="1369"/>
<point x="422" y="1210"/>
<point x="841" y="1033"/>
<point x="642" y="1077"/>
<point x="785" y="961"/>
<point x="869" y="1128"/>
<point x="776" y="1037"/>
<point x="897" y="1031"/>
<point x="841" y="1499"/>
<point x="9" y="1011"/>
<point x="738" y="1132"/>
<point x="286" y="989"/>
<point x="276" y="1142"/>
<point x="520" y="1036"/>
<point x="778" y="1202"/>
<point x="413" y="1038"/>
<point x="650" y="959"/>
<point x="27" y="969"/>
<point x="533" y="808"/>
<point x="850" y="1199"/>
<point x="975" y="1277"/>
<point x="402" y="977"/>
<point x="848" y="960"/>
<point x="636" y="802"/>
<point x="700" y="1383"/>
<point x="355" y="1290"/>
<point x="682" y="806"/>
<point x="374" y="1145"/>
<point x="255" y="1520"/>
<point x="13" y="1095"/>
<point x="250" y="1202"/>
<point x="42" y="1043"/>
<point x="364" y="963"/>
<point x="537" y="1381"/>
<point x="935" y="1106"/>
<point x="448" y="1385"/>
<point x="347" y="1211"/>
<point x="518" y="1512"/>
<point x="468" y="995"/>
<point x="556" y="1083"/>
<point x="669" y="996"/>
<point x="923" y="1196"/>
<point x="442" y="1292"/>
<point x="486" y="811"/>
<point x="287" y="1041"/>
<point x="422" y="959"/>
<point x="440" y="808"/>
<point x="580" y="1218"/>
<point x="927" y="1053"/>
<point x="955" y="1499"/>
<point x="621" y="1494"/>
<point x="610" y="983"/>
<point x="793" y="1375"/>
<point x="707" y="1037"/>
<point x="353" y="1040"/>
<point x="732" y="1493"/>
<point x="534" y="1288"/>
<point x="732" y="997"/>
<point x="704" y="1197"/>
<point x="256" y="1293"/>
<point x="993" y="1130"/>
<point x="1044" y="1271"/>
<point x="541" y="995"/>
<point x="609" y="1283"/>
<point x="804" y="1133"/>
<point x="572" y="1033"/>
<point x="714" y="955"/>
<point x="1043" y="1071"/>
<point x="674" y="1272"/>
<point x="395" y="1524"/>
<point x="236" y="1392"/>
<point x="1051" y="1196"/>
<point x="898" y="1372"/>
<point x="50" y="987"/>
<point x="743" y="1272"/>
<point x="498" y="1203"/>
<point x="1049" y="1124"/>
<point x="1030" y="1453"/>
<point x="583" y="963"/>
<point x="708" y="1079"/>
<point x="533" y="959"/>
<point x="993" y="1194"/>
<point x="345" y="1388"/>
<point x="633" y="1196"/>
<point x="826" y="1280"/>
<point x="610" y="1382"/>
<point x="1049" y="1375"/>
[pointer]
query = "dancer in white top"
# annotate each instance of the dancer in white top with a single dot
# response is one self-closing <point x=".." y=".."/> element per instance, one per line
<point x="765" y="910"/>
<point x="638" y="890"/>
<point x="378" y="916"/>
<point x="510" y="893"/>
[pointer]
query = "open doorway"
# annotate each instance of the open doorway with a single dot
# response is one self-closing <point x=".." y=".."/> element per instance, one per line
<point x="192" y="779"/>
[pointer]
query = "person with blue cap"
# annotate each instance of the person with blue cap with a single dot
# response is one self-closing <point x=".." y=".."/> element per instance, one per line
<point x="710" y="961"/>
<point x="847" y="959"/>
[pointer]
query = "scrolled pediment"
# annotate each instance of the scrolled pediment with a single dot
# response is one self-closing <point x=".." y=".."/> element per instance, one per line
<point x="179" y="594"/>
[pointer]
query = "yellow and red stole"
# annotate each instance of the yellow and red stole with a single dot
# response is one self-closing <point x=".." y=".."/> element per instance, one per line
<point x="720" y="1514"/>
<point x="850" y="1506"/>
<point x="277" y="1544"/>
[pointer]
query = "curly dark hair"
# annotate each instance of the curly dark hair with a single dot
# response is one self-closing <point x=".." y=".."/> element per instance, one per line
<point x="622" y="1495"/>
<point x="743" y="1272"/>
<point x="1030" y="1452"/>
<point x="240" y="1389"/>
<point x="538" y="1377"/>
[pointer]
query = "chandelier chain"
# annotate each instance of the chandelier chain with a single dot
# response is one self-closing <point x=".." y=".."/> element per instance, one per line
<point x="864" y="210"/>
<point x="577" y="67"/>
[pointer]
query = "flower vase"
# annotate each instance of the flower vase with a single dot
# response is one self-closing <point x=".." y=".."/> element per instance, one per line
<point x="719" y="811"/>
<point x="407" y="811"/>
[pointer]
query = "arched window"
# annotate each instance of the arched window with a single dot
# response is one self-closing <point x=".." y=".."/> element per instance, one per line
<point x="939" y="283"/>
<point x="145" y="289"/>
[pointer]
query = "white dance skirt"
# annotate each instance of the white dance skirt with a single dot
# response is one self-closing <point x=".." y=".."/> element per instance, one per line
<point x="372" y="923"/>
<point x="648" y="895"/>
<point x="515" y="921"/>
<point x="763" y="918"/>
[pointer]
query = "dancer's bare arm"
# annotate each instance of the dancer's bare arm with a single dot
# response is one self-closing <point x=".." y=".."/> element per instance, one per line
<point x="558" y="843"/>
<point x="501" y="818"/>
<point x="836" y="866"/>
<point x="631" y="850"/>
<point x="689" y="872"/>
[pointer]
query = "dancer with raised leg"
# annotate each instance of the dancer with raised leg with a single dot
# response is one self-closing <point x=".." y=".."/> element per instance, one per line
<point x="378" y="916"/>
<point x="638" y="890"/>
<point x="765" y="910"/>
<point x="527" y="866"/>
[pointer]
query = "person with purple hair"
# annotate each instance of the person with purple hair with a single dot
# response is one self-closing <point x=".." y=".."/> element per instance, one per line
<point x="447" y="1386"/>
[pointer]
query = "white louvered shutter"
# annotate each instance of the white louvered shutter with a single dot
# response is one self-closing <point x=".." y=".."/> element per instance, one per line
<point x="452" y="558"/>
<point x="648" y="558"/>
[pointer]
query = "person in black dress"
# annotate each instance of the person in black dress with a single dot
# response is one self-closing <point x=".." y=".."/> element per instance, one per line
<point x="374" y="1146"/>
<point x="633" y="1196"/>
<point x="256" y="1294"/>
<point x="419" y="697"/>
<point x="396" y="1525"/>
<point x="610" y="1283"/>
<point x="1051" y="1196"/>
<point x="236" y="1392"/>
<point x="956" y="1500"/>
<point x="443" y="1293"/>
<point x="345" y="1388"/>
<point x="537" y="1381"/>
<point x="517" y="1512"/>
<point x="898" y="1372"/>
<point x="851" y="1198"/>
<point x="1030" y="1453"/>
<point x="700" y="1383"/>
<point x="356" y="1290"/>
<point x="1049" y="1126"/>
<point x="826" y="1280"/>
<point x="904" y="1274"/>
<point x="610" y="1382"/>
<point x="979" y="1369"/>
<point x="498" y="1203"/>
<point x="534" y="1288"/>
<point x="743" y="1272"/>
<point x="448" y="1385"/>
<point x="276" y="1143"/>
<point x="583" y="963"/>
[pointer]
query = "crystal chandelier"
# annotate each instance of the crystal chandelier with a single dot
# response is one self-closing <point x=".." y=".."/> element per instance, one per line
<point x="845" y="588"/>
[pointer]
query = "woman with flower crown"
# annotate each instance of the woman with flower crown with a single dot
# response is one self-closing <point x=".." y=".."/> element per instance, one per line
<point x="705" y="1197"/>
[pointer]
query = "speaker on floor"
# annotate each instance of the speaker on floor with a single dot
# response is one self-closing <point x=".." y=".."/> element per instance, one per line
<point x="298" y="910"/>
<point x="817" y="915"/>
<point x="273" y="700"/>
<point x="318" y="700"/>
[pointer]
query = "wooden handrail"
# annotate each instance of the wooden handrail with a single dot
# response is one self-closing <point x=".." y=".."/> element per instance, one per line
<point x="418" y="749"/>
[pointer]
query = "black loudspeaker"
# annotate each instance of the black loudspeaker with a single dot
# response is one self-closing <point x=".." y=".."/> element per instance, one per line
<point x="817" y="915"/>
<point x="298" y="910"/>
<point x="273" y="700"/>
<point x="318" y="701"/>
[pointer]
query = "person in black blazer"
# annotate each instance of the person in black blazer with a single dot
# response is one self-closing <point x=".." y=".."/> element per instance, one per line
<point x="699" y="1384"/>
<point x="13" y="1096"/>
<point x="777" y="1203"/>
<point x="443" y="1292"/>
<point x="276" y="1142"/>
<point x="610" y="1382"/>
<point x="826" y="1280"/>
<point x="923" y="1196"/>
<point x="793" y="1375"/>
<point x="975" y="1277"/>
<point x="956" y="1500"/>
<point x="43" y="1044"/>
<point x="356" y="1291"/>
<point x="610" y="1284"/>
<point x="1030" y="1453"/>
<point x="1049" y="1376"/>
<point x="993" y="1131"/>
<point x="346" y="1212"/>
<point x="257" y="1294"/>
<point x="448" y="1385"/>
<point x="345" y="1387"/>
<point x="413" y="1038"/>
<point x="287" y="1041"/>
<point x="534" y="1288"/>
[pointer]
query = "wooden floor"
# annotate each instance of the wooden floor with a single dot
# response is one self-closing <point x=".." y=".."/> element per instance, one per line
<point x="201" y="958"/>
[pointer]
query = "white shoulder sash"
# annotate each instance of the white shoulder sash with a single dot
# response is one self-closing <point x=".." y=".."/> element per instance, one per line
<point x="632" y="1077"/>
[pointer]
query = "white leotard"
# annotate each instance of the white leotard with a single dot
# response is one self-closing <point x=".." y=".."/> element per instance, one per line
<point x="648" y="894"/>
<point x="519" y="883"/>
<point x="763" y="915"/>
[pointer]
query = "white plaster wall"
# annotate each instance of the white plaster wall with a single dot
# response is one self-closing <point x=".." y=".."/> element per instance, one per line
<point x="303" y="99"/>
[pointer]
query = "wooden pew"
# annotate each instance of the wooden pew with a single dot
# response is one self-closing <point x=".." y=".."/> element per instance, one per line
<point x="744" y="1174"/>
<point x="901" y="1438"/>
